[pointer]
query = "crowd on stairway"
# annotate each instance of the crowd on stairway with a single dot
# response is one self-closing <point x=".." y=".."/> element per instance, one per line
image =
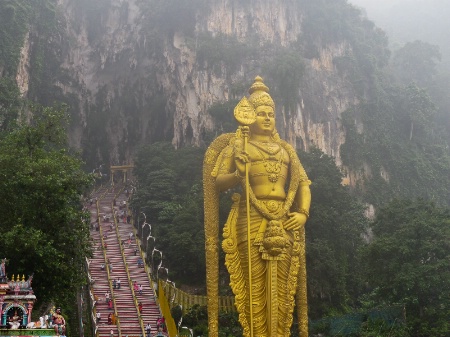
<point x="121" y="286"/>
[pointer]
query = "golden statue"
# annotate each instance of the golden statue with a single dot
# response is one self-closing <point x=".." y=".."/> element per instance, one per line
<point x="266" y="222"/>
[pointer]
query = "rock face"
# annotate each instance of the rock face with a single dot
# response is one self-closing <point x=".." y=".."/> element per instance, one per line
<point x="129" y="85"/>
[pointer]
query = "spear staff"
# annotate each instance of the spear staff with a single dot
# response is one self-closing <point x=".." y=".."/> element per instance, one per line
<point x="246" y="115"/>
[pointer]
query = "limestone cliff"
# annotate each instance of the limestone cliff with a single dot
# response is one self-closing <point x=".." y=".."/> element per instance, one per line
<point x="130" y="82"/>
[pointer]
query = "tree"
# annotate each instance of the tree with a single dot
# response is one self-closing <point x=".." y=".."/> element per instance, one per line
<point x="396" y="147"/>
<point x="197" y="318"/>
<point x="169" y="193"/>
<point x="286" y="70"/>
<point x="416" y="62"/>
<point x="44" y="229"/>
<point x="334" y="236"/>
<point x="10" y="103"/>
<point x="408" y="262"/>
<point x="418" y="112"/>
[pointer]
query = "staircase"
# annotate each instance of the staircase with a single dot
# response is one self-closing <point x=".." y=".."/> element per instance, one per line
<point x="123" y="259"/>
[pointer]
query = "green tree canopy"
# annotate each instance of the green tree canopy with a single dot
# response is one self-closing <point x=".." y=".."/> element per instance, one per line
<point x="408" y="262"/>
<point x="10" y="103"/>
<point x="417" y="62"/>
<point x="169" y="192"/>
<point x="41" y="219"/>
<point x="334" y="235"/>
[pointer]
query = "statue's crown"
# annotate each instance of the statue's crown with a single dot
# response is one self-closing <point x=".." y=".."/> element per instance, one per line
<point x="259" y="94"/>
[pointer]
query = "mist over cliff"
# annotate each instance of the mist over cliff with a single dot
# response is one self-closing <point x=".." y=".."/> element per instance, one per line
<point x="409" y="20"/>
<point x="135" y="72"/>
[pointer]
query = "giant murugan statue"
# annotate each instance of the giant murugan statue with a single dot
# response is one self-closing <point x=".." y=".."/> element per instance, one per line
<point x="264" y="237"/>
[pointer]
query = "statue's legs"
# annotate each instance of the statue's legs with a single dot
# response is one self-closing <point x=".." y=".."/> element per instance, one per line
<point x="272" y="295"/>
<point x="258" y="279"/>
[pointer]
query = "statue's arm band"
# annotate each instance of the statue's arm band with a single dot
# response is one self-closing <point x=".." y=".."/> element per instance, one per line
<point x="304" y="211"/>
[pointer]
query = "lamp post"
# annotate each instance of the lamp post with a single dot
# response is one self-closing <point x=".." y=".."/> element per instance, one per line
<point x="142" y="227"/>
<point x="190" y="330"/>
<point x="99" y="170"/>
<point x="153" y="262"/>
<point x="149" y="233"/>
<point x="146" y="245"/>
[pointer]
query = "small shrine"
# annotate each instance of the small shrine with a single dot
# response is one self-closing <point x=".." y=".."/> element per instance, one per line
<point x="16" y="303"/>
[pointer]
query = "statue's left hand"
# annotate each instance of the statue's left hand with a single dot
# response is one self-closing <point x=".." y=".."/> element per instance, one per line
<point x="295" y="222"/>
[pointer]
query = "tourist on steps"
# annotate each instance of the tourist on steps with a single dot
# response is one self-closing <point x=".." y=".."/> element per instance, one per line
<point x="148" y="329"/>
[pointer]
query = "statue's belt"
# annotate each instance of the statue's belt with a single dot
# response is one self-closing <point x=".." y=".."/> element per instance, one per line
<point x="273" y="207"/>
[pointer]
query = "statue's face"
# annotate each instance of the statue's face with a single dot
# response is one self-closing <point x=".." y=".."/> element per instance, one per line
<point x="265" y="121"/>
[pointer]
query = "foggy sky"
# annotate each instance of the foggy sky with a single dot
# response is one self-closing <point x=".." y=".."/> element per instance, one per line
<point x="410" y="20"/>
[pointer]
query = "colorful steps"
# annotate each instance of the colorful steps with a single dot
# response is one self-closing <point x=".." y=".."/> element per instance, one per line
<point x="124" y="300"/>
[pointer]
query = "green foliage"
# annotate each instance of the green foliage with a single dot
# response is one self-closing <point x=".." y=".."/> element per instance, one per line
<point x="334" y="238"/>
<point x="286" y="69"/>
<point x="14" y="18"/>
<point x="350" y="153"/>
<point x="385" y="321"/>
<point x="177" y="314"/>
<point x="38" y="18"/>
<point x="96" y="147"/>
<point x="376" y="328"/>
<point x="195" y="315"/>
<point x="330" y="22"/>
<point x="229" y="325"/>
<point x="10" y="103"/>
<point x="223" y="116"/>
<point x="417" y="113"/>
<point x="170" y="195"/>
<point x="43" y="225"/>
<point x="218" y="51"/>
<point x="45" y="59"/>
<point x="408" y="262"/>
<point x="416" y="62"/>
<point x="197" y="318"/>
<point x="406" y="151"/>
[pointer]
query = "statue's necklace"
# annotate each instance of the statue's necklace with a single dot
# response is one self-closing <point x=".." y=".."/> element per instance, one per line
<point x="273" y="165"/>
<point x="269" y="148"/>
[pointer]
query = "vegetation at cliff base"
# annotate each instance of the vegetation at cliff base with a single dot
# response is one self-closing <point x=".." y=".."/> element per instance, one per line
<point x="352" y="261"/>
<point x="169" y="192"/>
<point x="44" y="229"/>
<point x="408" y="262"/>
